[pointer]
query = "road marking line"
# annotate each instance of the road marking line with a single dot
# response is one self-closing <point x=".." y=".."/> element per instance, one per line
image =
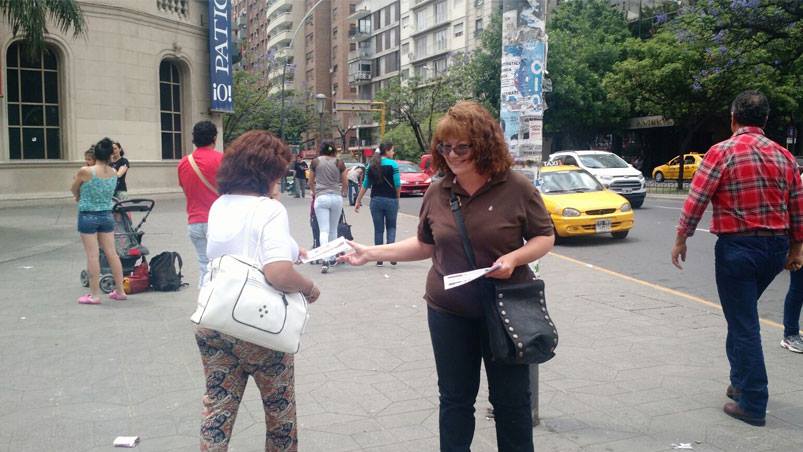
<point x="657" y="287"/>
<point x="666" y="207"/>
<point x="660" y="288"/>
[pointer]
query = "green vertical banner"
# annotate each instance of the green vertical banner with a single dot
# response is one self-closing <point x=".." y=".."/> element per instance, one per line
<point x="524" y="52"/>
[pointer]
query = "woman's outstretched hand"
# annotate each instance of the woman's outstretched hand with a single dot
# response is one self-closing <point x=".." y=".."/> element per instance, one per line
<point x="359" y="255"/>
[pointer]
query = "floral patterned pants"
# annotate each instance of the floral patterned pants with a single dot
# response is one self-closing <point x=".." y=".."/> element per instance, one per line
<point x="227" y="364"/>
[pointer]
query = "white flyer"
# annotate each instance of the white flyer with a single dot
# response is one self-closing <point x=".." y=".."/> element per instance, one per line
<point x="126" y="441"/>
<point x="332" y="248"/>
<point x="458" y="279"/>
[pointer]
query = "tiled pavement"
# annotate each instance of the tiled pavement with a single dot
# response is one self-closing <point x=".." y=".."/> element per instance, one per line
<point x="637" y="369"/>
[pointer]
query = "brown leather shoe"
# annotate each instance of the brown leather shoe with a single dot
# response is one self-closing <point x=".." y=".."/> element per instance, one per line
<point x="733" y="393"/>
<point x="735" y="411"/>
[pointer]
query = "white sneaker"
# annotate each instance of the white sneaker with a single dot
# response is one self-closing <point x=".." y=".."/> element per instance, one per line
<point x="793" y="343"/>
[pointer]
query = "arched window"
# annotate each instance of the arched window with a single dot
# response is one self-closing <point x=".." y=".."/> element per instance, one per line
<point x="170" y="108"/>
<point x="33" y="103"/>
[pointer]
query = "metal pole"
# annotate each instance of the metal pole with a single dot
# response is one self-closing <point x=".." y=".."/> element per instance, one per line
<point x="284" y="66"/>
<point x="534" y="393"/>
<point x="320" y="129"/>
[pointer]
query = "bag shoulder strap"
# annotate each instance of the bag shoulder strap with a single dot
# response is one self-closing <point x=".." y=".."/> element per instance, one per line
<point x="200" y="175"/>
<point x="454" y="202"/>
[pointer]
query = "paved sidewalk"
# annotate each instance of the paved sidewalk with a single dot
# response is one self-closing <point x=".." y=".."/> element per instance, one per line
<point x="637" y="369"/>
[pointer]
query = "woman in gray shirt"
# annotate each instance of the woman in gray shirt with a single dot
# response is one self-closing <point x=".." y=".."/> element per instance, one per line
<point x="328" y="182"/>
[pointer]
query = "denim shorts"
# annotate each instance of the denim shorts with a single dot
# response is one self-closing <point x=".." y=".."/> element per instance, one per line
<point x="92" y="222"/>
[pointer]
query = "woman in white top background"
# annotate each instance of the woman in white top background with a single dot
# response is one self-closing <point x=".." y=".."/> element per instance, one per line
<point x="245" y="220"/>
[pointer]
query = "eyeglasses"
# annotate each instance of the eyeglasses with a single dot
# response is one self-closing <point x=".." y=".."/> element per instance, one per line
<point x="460" y="150"/>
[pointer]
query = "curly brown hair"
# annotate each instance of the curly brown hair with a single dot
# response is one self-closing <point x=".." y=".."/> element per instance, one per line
<point x="252" y="163"/>
<point x="470" y="122"/>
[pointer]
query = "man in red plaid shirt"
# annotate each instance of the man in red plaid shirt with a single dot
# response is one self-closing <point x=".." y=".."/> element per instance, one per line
<point x="757" y="195"/>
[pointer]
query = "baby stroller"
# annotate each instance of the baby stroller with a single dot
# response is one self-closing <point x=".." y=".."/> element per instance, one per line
<point x="127" y="241"/>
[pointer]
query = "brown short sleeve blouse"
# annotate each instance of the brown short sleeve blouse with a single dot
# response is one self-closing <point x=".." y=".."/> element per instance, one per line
<point x="499" y="217"/>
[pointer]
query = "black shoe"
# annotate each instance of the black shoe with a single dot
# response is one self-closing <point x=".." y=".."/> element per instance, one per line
<point x="733" y="393"/>
<point x="735" y="411"/>
<point x="393" y="263"/>
<point x="380" y="264"/>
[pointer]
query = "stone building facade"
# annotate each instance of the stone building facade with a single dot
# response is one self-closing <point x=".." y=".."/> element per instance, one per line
<point x="140" y="76"/>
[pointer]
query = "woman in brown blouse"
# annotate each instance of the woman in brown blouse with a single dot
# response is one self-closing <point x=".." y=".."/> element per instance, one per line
<point x="509" y="227"/>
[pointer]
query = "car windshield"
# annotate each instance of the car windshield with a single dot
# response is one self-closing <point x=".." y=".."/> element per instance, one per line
<point x="602" y="161"/>
<point x="408" y="168"/>
<point x="568" y="182"/>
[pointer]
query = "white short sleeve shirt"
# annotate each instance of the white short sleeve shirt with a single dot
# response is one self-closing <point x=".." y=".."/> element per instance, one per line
<point x="251" y="226"/>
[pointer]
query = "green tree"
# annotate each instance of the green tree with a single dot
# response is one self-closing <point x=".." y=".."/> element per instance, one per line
<point x="417" y="103"/>
<point x="256" y="107"/>
<point x="698" y="62"/>
<point x="29" y="18"/>
<point x="586" y="39"/>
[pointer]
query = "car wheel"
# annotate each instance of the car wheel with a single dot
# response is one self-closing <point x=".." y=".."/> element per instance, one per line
<point x="659" y="177"/>
<point x="619" y="234"/>
<point x="637" y="204"/>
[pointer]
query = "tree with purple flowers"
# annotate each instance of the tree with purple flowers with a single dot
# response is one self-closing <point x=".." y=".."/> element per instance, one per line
<point x="697" y="62"/>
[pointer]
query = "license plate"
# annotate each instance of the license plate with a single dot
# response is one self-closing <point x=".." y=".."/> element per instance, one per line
<point x="416" y="192"/>
<point x="603" y="226"/>
<point x="627" y="190"/>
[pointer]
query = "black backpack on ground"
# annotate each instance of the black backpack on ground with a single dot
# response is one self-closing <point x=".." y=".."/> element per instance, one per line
<point x="164" y="275"/>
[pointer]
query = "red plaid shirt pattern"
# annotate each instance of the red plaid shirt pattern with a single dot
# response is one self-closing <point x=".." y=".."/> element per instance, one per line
<point x="752" y="183"/>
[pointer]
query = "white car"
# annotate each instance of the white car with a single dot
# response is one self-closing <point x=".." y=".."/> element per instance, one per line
<point x="610" y="170"/>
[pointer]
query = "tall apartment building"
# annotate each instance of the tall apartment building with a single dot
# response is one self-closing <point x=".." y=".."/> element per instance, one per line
<point x="250" y="33"/>
<point x="411" y="38"/>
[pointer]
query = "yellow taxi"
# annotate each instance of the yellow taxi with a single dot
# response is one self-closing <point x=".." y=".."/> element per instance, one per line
<point x="580" y="205"/>
<point x="671" y="169"/>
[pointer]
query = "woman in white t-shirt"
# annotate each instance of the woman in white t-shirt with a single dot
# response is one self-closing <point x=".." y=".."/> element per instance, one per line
<point x="245" y="220"/>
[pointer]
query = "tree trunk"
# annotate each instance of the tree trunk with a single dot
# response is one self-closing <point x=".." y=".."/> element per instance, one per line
<point x="416" y="131"/>
<point x="694" y="126"/>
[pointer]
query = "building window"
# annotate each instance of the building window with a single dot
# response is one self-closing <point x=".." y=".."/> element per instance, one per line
<point x="477" y="27"/>
<point x="440" y="12"/>
<point x="440" y="67"/>
<point x="421" y="48"/>
<point x="33" y="104"/>
<point x="440" y="40"/>
<point x="421" y="22"/>
<point x="458" y="30"/>
<point x="170" y="109"/>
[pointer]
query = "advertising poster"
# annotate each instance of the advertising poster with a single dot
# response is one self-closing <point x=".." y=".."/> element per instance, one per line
<point x="524" y="54"/>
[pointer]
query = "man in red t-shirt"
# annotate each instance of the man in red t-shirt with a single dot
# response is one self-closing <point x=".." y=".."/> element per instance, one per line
<point x="199" y="183"/>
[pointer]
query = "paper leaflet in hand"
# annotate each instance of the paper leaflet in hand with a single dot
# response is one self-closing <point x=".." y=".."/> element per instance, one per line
<point x="332" y="248"/>
<point x="458" y="279"/>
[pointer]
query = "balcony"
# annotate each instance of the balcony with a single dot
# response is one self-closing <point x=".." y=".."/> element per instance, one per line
<point x="359" y="14"/>
<point x="278" y="5"/>
<point x="280" y="21"/>
<point x="420" y="3"/>
<point x="280" y="38"/>
<point x="356" y="35"/>
<point x="359" y="77"/>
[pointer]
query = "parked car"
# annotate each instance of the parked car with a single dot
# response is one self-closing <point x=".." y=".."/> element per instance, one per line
<point x="413" y="180"/>
<point x="671" y="169"/>
<point x="610" y="170"/>
<point x="580" y="205"/>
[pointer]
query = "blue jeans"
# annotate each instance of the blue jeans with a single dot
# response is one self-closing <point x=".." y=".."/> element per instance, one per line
<point x="384" y="212"/>
<point x="459" y="344"/>
<point x="328" y="208"/>
<point x="300" y="185"/>
<point x="793" y="304"/>
<point x="197" y="233"/>
<point x="744" y="267"/>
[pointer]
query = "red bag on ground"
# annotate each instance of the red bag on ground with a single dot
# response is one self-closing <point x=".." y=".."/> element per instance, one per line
<point x="139" y="280"/>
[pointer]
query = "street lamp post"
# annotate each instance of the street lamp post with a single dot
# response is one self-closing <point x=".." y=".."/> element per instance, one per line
<point x="284" y="65"/>
<point x="320" y="107"/>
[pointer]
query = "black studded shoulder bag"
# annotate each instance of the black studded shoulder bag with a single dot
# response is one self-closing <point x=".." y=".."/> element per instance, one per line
<point x="520" y="330"/>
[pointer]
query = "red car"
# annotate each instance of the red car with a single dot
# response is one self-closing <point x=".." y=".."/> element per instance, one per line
<point x="413" y="180"/>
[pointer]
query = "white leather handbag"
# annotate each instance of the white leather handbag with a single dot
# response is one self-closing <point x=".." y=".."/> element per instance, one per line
<point x="238" y="301"/>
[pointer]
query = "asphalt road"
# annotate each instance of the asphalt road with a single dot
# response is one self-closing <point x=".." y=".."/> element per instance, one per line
<point x="644" y="254"/>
